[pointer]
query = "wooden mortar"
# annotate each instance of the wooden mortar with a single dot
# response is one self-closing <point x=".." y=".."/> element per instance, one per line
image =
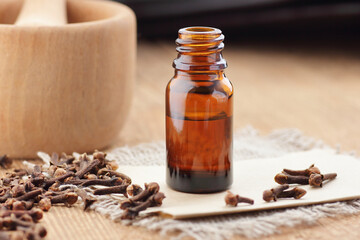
<point x="64" y="86"/>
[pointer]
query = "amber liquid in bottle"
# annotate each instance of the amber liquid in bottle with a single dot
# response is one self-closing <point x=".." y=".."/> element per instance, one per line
<point x="199" y="110"/>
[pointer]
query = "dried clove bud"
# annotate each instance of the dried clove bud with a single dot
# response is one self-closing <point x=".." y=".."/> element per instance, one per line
<point x="88" y="200"/>
<point x="88" y="168"/>
<point x="19" y="205"/>
<point x="54" y="160"/>
<point x="20" y="172"/>
<point x="102" y="182"/>
<point x="306" y="172"/>
<point x="91" y="182"/>
<point x="29" y="204"/>
<point x="113" y="165"/>
<point x="316" y="180"/>
<point x="6" y="181"/>
<point x="59" y="172"/>
<point x="12" y="223"/>
<point x="3" y="189"/>
<point x="34" y="232"/>
<point x="68" y="199"/>
<point x="26" y="218"/>
<point x="123" y="176"/>
<point x="18" y="190"/>
<point x="40" y="231"/>
<point x="109" y="190"/>
<point x="15" y="181"/>
<point x="150" y="189"/>
<point x="61" y="178"/>
<point x="56" y="193"/>
<point x="154" y="200"/>
<point x="112" y="173"/>
<point x="51" y="170"/>
<point x="5" y="197"/>
<point x="272" y="194"/>
<point x="45" y="204"/>
<point x="30" y="195"/>
<point x="133" y="190"/>
<point x="233" y="200"/>
<point x="128" y="203"/>
<point x="37" y="181"/>
<point x="282" y="178"/>
<point x="29" y="186"/>
<point x="36" y="214"/>
<point x="99" y="155"/>
<point x="90" y="176"/>
<point x="5" y="161"/>
<point x="9" y="203"/>
<point x="54" y="187"/>
<point x="36" y="172"/>
<point x="296" y="193"/>
<point x="66" y="159"/>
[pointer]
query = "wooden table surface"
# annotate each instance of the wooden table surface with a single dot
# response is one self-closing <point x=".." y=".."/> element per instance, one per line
<point x="314" y="89"/>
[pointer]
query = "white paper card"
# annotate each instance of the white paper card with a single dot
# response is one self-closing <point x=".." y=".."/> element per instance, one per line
<point x="251" y="178"/>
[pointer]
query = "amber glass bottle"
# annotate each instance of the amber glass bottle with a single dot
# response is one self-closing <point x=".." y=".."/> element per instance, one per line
<point x="199" y="109"/>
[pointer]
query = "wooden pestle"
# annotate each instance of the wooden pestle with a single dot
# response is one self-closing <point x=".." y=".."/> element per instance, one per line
<point x="42" y="12"/>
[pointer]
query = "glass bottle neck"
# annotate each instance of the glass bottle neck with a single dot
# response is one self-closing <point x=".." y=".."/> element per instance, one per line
<point x="200" y="75"/>
<point x="209" y="62"/>
<point x="199" y="50"/>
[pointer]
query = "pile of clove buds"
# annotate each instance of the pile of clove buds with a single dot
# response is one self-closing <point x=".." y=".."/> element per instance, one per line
<point x="26" y="193"/>
<point x="310" y="176"/>
<point x="22" y="221"/>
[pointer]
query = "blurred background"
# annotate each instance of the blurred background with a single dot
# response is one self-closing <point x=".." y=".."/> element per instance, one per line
<point x="293" y="64"/>
<point x="239" y="18"/>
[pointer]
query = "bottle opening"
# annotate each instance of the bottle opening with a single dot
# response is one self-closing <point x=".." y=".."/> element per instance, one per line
<point x="201" y="30"/>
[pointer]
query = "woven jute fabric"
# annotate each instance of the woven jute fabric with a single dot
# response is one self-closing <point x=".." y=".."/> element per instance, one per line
<point x="248" y="144"/>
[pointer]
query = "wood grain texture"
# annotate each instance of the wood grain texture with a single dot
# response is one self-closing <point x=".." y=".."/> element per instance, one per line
<point x="315" y="91"/>
<point x="68" y="87"/>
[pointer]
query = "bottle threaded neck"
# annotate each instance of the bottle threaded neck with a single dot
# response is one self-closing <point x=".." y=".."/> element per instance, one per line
<point x="200" y="49"/>
<point x="199" y="40"/>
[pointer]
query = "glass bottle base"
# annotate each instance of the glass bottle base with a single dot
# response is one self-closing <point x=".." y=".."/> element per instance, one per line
<point x="198" y="181"/>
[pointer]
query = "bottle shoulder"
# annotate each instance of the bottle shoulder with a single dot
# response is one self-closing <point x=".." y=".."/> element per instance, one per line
<point x="219" y="87"/>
